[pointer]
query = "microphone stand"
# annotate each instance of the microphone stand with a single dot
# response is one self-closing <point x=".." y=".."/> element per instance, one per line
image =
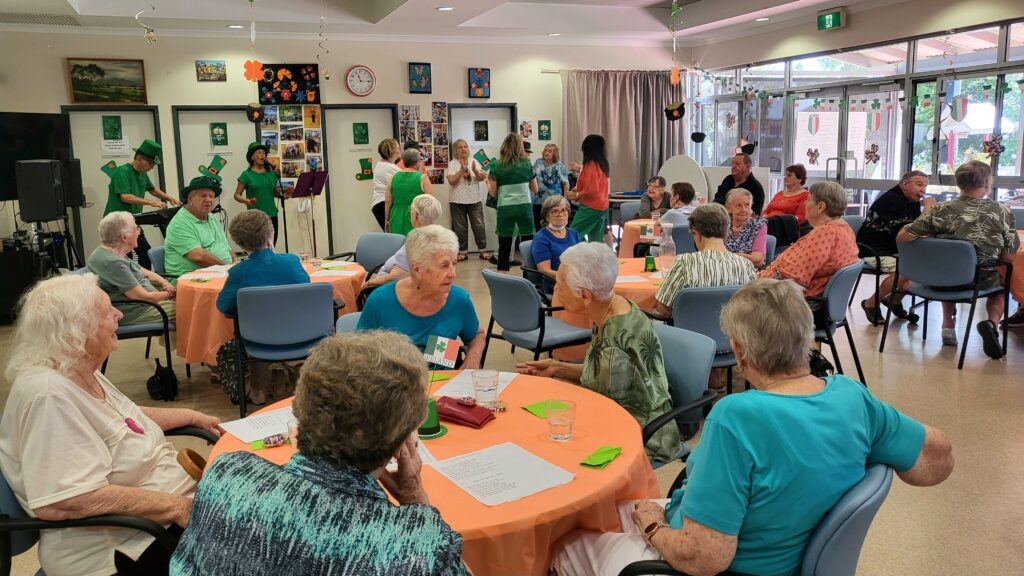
<point x="284" y="214"/>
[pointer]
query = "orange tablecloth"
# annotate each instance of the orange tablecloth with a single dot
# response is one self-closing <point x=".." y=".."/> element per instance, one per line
<point x="1017" y="282"/>
<point x="202" y="329"/>
<point x="631" y="236"/>
<point x="640" y="292"/>
<point x="516" y="538"/>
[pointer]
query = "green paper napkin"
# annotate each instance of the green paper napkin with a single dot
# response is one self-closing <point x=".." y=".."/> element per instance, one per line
<point x="537" y="409"/>
<point x="602" y="457"/>
<point x="439" y="377"/>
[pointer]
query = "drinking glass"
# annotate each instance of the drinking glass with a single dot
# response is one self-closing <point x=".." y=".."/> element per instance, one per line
<point x="561" y="414"/>
<point x="485" y="387"/>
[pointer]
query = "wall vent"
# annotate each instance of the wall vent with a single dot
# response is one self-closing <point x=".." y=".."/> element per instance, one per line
<point x="38" y="19"/>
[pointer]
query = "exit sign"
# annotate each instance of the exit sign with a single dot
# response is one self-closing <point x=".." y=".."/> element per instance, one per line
<point x="832" y="19"/>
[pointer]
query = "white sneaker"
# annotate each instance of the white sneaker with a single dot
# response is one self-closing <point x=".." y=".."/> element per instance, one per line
<point x="949" y="337"/>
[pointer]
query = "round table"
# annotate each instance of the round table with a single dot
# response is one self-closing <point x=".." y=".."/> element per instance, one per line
<point x="1017" y="281"/>
<point x="516" y="538"/>
<point x="631" y="236"/>
<point x="642" y="293"/>
<point x="202" y="329"/>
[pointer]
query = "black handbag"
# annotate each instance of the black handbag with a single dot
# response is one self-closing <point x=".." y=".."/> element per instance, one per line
<point x="163" y="384"/>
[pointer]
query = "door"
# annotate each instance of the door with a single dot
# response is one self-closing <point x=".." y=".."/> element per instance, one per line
<point x="875" y="141"/>
<point x="816" y="126"/>
<point x="463" y="123"/>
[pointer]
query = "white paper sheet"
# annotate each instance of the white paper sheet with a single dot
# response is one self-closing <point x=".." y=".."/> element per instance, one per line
<point x="502" y="473"/>
<point x="203" y="276"/>
<point x="334" y="273"/>
<point x="630" y="279"/>
<point x="656" y="276"/>
<point x="425" y="456"/>
<point x="461" y="386"/>
<point x="216" y="268"/>
<point x="260" y="426"/>
<point x="334" y="264"/>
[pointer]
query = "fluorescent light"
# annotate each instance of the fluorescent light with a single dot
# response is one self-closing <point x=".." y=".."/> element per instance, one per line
<point x="762" y="19"/>
<point x="554" y="34"/>
<point x="235" y="26"/>
<point x="445" y="8"/>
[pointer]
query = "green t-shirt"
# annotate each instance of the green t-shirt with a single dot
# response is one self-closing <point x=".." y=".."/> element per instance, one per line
<point x="118" y="275"/>
<point x="185" y="233"/>
<point x="260" y="185"/>
<point x="513" y="182"/>
<point x="126" y="180"/>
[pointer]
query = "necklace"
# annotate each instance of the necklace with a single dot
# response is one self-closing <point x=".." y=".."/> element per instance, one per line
<point x="130" y="422"/>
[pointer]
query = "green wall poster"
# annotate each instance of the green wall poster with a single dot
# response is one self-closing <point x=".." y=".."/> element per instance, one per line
<point x="218" y="133"/>
<point x="360" y="133"/>
<point x="544" y="129"/>
<point x="112" y="128"/>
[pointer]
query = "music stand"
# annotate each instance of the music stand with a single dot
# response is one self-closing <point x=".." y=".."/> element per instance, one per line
<point x="310" y="184"/>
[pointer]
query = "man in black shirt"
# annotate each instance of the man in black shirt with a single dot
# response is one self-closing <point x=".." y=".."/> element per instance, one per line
<point x="741" y="178"/>
<point x="890" y="212"/>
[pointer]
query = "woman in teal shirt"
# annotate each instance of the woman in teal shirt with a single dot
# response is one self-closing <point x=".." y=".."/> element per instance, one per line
<point x="260" y="184"/>
<point x="771" y="462"/>
<point x="512" y="182"/>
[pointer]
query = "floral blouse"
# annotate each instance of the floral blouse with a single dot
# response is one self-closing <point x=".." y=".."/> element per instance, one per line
<point x="752" y="237"/>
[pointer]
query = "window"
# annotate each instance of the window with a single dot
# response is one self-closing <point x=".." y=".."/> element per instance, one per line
<point x="766" y="77"/>
<point x="875" y="62"/>
<point x="770" y="138"/>
<point x="1015" y="42"/>
<point x="726" y="132"/>
<point x="923" y="148"/>
<point x="725" y="82"/>
<point x="967" y="119"/>
<point x="875" y="135"/>
<point x="1011" y="160"/>
<point x="957" y="50"/>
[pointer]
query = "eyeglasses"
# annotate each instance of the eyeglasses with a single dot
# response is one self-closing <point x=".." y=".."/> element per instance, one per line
<point x="557" y="211"/>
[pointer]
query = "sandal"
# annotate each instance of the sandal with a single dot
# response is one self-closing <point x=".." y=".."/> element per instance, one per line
<point x="486" y="255"/>
<point x="462" y="257"/>
<point x="873" y="313"/>
<point x="899" y="311"/>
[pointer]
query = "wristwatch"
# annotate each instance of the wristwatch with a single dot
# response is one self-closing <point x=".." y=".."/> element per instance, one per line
<point x="652" y="529"/>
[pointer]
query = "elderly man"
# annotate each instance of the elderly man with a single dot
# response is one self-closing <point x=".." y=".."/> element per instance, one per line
<point x="988" y="225"/>
<point x="741" y="177"/>
<point x="889" y="213"/>
<point x="127" y="191"/>
<point x="122" y="278"/>
<point x="194" y="240"/>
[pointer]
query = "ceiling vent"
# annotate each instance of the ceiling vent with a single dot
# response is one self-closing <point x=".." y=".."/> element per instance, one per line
<point x="38" y="19"/>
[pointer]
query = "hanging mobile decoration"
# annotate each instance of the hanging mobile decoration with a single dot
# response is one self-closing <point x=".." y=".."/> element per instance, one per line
<point x="674" y="76"/>
<point x="252" y="25"/>
<point x="994" y="147"/>
<point x="150" y="32"/>
<point x="324" y="51"/>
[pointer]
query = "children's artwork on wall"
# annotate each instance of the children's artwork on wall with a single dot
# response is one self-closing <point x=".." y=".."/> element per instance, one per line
<point x="526" y="129"/>
<point x="409" y="112"/>
<point x="425" y="131"/>
<point x="106" y="81"/>
<point x="211" y="71"/>
<point x="269" y="120"/>
<point x="440" y="134"/>
<point x="419" y="78"/>
<point x="544" y="130"/>
<point x="311" y="116"/>
<point x="436" y="175"/>
<point x="439" y="112"/>
<point x="479" y="82"/>
<point x="440" y="156"/>
<point x="480" y="131"/>
<point x="290" y="83"/>
<point x="313" y="142"/>
<point x="360" y="133"/>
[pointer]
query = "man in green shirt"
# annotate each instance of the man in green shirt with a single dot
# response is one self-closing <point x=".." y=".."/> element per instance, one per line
<point x="194" y="240"/>
<point x="127" y="191"/>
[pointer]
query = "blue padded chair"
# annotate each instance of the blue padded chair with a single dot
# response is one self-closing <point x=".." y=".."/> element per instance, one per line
<point x="347" y="323"/>
<point x="835" y="545"/>
<point x="834" y="298"/>
<point x="936" y="269"/>
<point x="19" y="532"/>
<point x="872" y="267"/>
<point x="629" y="211"/>
<point x="373" y="250"/>
<point x="156" y="257"/>
<point x="1018" y="218"/>
<point x="769" y="249"/>
<point x="530" y="271"/>
<point x="683" y="240"/>
<point x="525" y="322"/>
<point x="699" y="310"/>
<point x="279" y="324"/>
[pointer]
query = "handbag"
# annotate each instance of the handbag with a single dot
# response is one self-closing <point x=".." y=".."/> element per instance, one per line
<point x="163" y="384"/>
<point x="449" y="410"/>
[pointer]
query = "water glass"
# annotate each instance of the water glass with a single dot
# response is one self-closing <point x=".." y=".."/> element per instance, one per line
<point x="304" y="257"/>
<point x="315" y="262"/>
<point x="485" y="387"/>
<point x="293" y="432"/>
<point x="561" y="414"/>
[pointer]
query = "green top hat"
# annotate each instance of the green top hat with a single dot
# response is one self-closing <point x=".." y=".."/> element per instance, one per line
<point x="200" y="183"/>
<point x="253" y="148"/>
<point x="150" y="150"/>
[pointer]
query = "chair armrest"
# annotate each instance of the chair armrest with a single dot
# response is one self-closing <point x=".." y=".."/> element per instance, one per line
<point x="193" y="431"/>
<point x="534" y="270"/>
<point x="165" y="538"/>
<point x="670" y="416"/>
<point x="159" y="309"/>
<point x="338" y="305"/>
<point x="655" y="316"/>
<point x="660" y="567"/>
<point x="549" y="309"/>
<point x="341" y="255"/>
<point x="871" y="253"/>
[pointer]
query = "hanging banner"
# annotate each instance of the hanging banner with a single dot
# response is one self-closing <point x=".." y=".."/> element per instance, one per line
<point x="958" y="108"/>
<point x="218" y="133"/>
<point x="813" y="124"/>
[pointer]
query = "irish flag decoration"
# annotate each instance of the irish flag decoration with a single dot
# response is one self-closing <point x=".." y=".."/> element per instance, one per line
<point x="813" y="124"/>
<point x="874" y="120"/>
<point x="958" y="108"/>
<point x="441" y="351"/>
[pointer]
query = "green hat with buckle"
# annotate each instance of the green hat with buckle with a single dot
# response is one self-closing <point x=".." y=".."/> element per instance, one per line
<point x="150" y="150"/>
<point x="253" y="148"/>
<point x="201" y="183"/>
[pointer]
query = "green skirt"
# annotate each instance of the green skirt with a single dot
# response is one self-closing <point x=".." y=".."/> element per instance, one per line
<point x="590" y="224"/>
<point x="516" y="215"/>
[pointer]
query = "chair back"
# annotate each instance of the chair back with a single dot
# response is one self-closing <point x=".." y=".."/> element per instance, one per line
<point x="156" y="257"/>
<point x="1018" y="217"/>
<point x="22" y="540"/>
<point x="374" y="248"/>
<point x="688" y="357"/>
<point x="81" y="271"/>
<point x="629" y="211"/>
<point x="834" y="547"/>
<point x="683" y="239"/>
<point x="286" y="315"/>
<point x="347" y="323"/>
<point x="855" y="222"/>
<point x="769" y="249"/>
<point x="699" y="310"/>
<point x="525" y="249"/>
<point x="938" y="263"/>
<point x="515" y="303"/>
<point x="838" y="290"/>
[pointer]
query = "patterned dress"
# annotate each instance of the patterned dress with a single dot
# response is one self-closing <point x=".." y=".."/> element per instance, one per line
<point x="624" y="363"/>
<point x="814" y="258"/>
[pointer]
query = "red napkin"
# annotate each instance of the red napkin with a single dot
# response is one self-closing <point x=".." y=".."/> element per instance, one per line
<point x="449" y="410"/>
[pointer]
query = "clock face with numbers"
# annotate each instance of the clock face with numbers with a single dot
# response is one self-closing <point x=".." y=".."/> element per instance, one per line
<point x="360" y="80"/>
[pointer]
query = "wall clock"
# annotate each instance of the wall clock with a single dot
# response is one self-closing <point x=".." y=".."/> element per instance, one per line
<point x="360" y="80"/>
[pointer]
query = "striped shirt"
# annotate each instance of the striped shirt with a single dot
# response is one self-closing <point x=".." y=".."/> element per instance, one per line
<point x="704" y="269"/>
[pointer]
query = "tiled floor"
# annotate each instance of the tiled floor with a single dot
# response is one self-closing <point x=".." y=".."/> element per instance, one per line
<point x="969" y="525"/>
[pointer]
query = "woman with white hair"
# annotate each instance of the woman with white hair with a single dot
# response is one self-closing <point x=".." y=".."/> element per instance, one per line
<point x="123" y="278"/>
<point x="624" y="360"/>
<point x="73" y="446"/>
<point x="425" y="210"/>
<point x="747" y="235"/>
<point x="427" y="303"/>
<point x="771" y="462"/>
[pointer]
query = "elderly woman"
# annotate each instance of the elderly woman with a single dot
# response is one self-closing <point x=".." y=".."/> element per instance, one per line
<point x="427" y="303"/>
<point x="512" y="181"/>
<point x="747" y="235"/>
<point x="464" y="176"/>
<point x="792" y="199"/>
<point x="425" y="210"/>
<point x="258" y="187"/>
<point x="753" y="497"/>
<point x="195" y="240"/>
<point x="554" y="238"/>
<point x="402" y="188"/>
<point x="72" y="445"/>
<point x="681" y="203"/>
<point x="814" y="258"/>
<point x="655" y="202"/>
<point x="383" y="170"/>
<point x="122" y="278"/>
<point x="359" y="401"/>
<point x="552" y="180"/>
<point x="624" y="360"/>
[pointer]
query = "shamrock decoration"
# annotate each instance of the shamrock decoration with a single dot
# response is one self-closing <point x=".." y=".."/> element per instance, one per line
<point x="253" y="70"/>
<point x="994" y="147"/>
<point x="871" y="154"/>
<point x="812" y="156"/>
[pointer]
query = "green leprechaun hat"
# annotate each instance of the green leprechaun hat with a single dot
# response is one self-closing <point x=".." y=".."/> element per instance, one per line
<point x="200" y="183"/>
<point x="150" y="150"/>
<point x="253" y="148"/>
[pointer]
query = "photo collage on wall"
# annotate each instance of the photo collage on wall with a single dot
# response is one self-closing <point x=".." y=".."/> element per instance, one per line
<point x="293" y="133"/>
<point x="431" y="133"/>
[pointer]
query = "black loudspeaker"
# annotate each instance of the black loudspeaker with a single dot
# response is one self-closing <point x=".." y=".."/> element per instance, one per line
<point x="40" y="190"/>
<point x="73" y="195"/>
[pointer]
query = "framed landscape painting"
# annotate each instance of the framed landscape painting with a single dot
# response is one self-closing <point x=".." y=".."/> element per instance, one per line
<point x="106" y="81"/>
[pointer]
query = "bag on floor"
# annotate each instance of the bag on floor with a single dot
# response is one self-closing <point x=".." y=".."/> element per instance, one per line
<point x="163" y="384"/>
<point x="820" y="366"/>
<point x="227" y="370"/>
